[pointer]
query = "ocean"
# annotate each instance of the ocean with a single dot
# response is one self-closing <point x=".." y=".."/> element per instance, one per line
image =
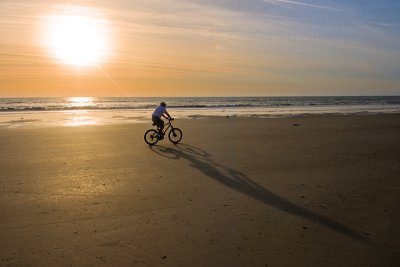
<point x="111" y="109"/>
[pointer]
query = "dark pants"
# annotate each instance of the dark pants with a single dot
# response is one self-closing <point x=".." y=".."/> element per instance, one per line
<point x="159" y="122"/>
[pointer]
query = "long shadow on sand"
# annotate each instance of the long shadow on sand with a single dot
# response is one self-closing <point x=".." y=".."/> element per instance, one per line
<point x="199" y="159"/>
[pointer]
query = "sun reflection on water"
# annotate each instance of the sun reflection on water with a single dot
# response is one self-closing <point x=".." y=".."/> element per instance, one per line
<point x="77" y="102"/>
<point x="80" y="120"/>
<point x="80" y="117"/>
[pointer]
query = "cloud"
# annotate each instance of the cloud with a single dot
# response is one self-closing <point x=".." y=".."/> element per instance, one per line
<point x="301" y="4"/>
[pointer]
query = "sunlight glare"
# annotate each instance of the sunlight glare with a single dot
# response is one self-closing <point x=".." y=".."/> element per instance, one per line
<point x="80" y="121"/>
<point x="77" y="39"/>
<point x="80" y="101"/>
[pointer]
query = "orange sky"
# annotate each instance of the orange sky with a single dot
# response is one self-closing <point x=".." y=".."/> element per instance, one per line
<point x="203" y="48"/>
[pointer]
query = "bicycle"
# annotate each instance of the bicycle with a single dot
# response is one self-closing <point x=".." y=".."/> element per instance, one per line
<point x="152" y="136"/>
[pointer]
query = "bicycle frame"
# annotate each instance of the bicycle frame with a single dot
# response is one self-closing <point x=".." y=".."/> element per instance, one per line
<point x="166" y="127"/>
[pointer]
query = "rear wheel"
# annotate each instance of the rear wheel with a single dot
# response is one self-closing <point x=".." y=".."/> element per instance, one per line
<point x="150" y="137"/>
<point x="175" y="135"/>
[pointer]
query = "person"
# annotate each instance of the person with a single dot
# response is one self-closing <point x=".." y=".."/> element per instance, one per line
<point x="160" y="111"/>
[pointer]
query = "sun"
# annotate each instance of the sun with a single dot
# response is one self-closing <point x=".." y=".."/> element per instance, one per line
<point x="77" y="39"/>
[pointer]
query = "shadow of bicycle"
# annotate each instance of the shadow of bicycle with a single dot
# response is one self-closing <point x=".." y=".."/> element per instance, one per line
<point x="201" y="160"/>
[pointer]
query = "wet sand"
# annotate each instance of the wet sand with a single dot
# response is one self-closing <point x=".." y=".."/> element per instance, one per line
<point x="311" y="191"/>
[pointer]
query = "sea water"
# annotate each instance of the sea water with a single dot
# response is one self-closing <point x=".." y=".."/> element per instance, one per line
<point x="95" y="110"/>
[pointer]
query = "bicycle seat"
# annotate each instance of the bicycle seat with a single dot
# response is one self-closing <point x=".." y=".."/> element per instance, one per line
<point x="154" y="124"/>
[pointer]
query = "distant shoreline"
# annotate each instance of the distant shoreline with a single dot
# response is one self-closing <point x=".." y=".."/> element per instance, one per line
<point x="76" y="118"/>
<point x="76" y="111"/>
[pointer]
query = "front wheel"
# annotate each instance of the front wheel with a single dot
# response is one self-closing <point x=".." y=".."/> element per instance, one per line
<point x="150" y="137"/>
<point x="175" y="135"/>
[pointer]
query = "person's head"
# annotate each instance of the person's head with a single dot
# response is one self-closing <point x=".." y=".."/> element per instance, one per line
<point x="163" y="104"/>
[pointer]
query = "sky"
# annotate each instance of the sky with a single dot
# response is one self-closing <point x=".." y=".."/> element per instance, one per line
<point x="199" y="48"/>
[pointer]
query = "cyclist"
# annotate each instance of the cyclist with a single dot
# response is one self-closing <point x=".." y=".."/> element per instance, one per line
<point x="160" y="111"/>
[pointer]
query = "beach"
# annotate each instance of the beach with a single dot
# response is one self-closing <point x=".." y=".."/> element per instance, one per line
<point x="304" y="191"/>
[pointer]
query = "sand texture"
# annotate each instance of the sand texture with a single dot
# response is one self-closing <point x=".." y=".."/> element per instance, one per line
<point x="312" y="191"/>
